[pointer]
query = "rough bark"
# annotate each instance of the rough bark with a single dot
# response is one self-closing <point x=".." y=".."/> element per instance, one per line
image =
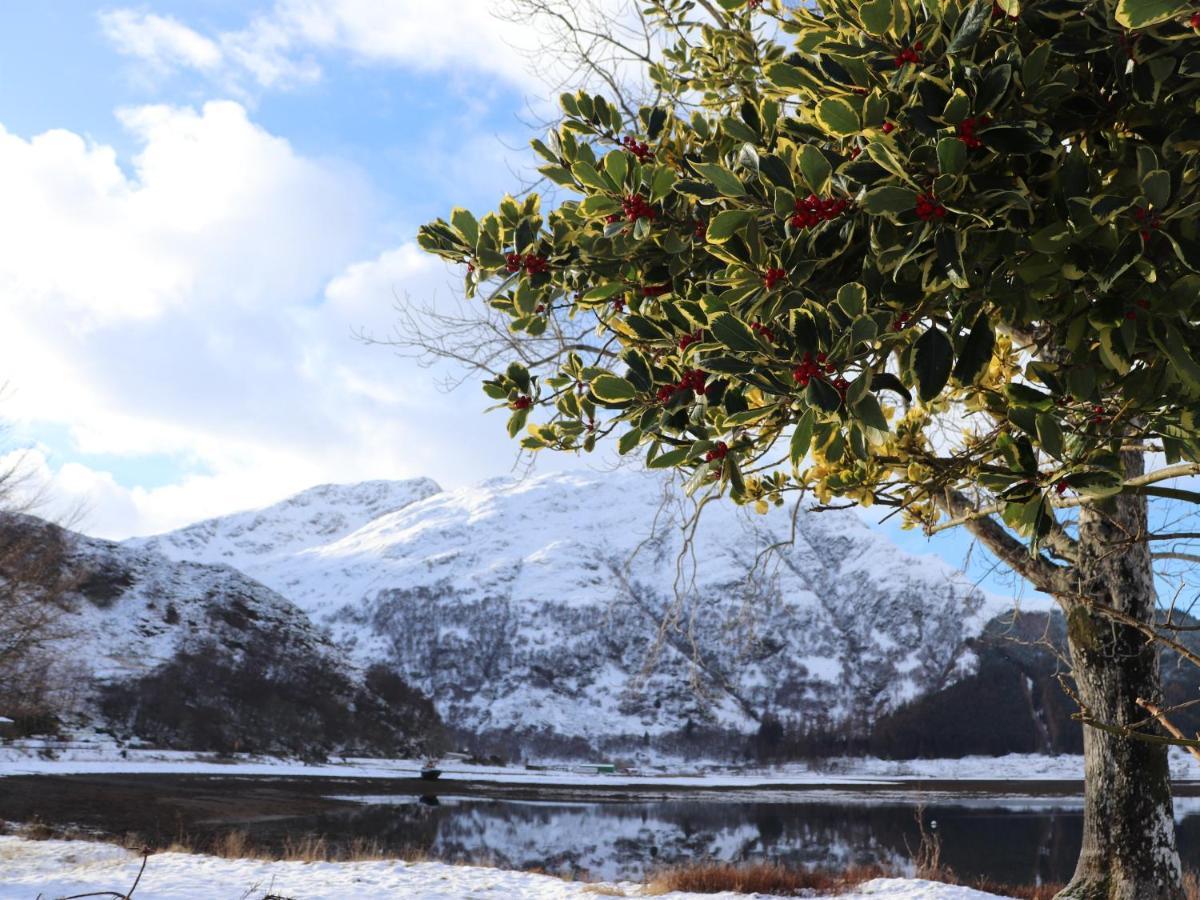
<point x="1128" y="827"/>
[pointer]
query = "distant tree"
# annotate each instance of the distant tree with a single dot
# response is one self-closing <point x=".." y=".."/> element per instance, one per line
<point x="941" y="258"/>
<point x="34" y="599"/>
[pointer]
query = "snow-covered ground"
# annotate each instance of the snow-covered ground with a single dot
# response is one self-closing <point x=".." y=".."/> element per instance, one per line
<point x="53" y="869"/>
<point x="90" y="754"/>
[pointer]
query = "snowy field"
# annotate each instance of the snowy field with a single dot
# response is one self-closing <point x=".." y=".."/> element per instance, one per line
<point x="90" y="755"/>
<point x="51" y="869"/>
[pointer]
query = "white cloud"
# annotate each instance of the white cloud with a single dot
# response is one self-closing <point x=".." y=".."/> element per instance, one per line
<point x="162" y="41"/>
<point x="277" y="48"/>
<point x="201" y="308"/>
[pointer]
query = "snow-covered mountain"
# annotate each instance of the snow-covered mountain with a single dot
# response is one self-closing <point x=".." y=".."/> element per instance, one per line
<point x="200" y="654"/>
<point x="569" y="605"/>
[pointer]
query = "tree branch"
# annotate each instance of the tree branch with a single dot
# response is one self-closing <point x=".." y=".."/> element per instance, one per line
<point x="1035" y="568"/>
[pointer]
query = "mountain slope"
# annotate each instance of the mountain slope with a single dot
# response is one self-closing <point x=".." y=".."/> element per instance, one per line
<point x="564" y="605"/>
<point x="200" y="655"/>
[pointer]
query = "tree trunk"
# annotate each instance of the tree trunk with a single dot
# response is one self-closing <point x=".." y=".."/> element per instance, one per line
<point x="1128" y="822"/>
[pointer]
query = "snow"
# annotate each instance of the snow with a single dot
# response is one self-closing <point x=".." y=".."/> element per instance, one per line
<point x="533" y="604"/>
<point x="91" y="755"/>
<point x="61" y="868"/>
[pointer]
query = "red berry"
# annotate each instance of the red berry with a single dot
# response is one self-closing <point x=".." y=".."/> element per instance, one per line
<point x="773" y="277"/>
<point x="636" y="207"/>
<point x="928" y="208"/>
<point x="717" y="452"/>
<point x="1061" y="487"/>
<point x="618" y="305"/>
<point x="966" y="131"/>
<point x="811" y="211"/>
<point x="521" y="402"/>
<point x="513" y="262"/>
<point x="638" y="148"/>
<point x="887" y="127"/>
<point x="535" y="265"/>
<point x="1194" y="21"/>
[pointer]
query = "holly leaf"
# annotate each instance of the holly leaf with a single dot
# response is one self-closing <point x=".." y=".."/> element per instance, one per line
<point x="816" y="169"/>
<point x="612" y="389"/>
<point x="1144" y="13"/>
<point x="970" y="26"/>
<point x="890" y="198"/>
<point x="721" y="178"/>
<point x="838" y="117"/>
<point x="976" y="351"/>
<point x="725" y="225"/>
<point x="932" y="356"/>
<point x="802" y="437"/>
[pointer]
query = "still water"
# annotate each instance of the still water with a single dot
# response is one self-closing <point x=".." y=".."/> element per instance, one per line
<point x="1013" y="842"/>
<point x="617" y="836"/>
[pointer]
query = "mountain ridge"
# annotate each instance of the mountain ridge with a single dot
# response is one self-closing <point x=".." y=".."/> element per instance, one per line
<point x="521" y="606"/>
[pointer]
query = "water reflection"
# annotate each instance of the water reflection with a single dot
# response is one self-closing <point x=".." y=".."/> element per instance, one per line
<point x="624" y="840"/>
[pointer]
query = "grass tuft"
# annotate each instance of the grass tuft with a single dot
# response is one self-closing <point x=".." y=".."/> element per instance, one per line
<point x="757" y="878"/>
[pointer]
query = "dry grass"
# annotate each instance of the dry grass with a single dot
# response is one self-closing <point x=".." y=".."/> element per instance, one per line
<point x="305" y="848"/>
<point x="757" y="878"/>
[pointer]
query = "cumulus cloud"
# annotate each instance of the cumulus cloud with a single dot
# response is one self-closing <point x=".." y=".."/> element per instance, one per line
<point x="201" y="307"/>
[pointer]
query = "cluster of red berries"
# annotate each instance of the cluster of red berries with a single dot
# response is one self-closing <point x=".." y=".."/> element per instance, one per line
<point x="618" y="305"/>
<point x="531" y="263"/>
<point x="693" y="380"/>
<point x="772" y="277"/>
<point x="1148" y="220"/>
<point x="636" y="207"/>
<point x="700" y="230"/>
<point x="717" y="452"/>
<point x="694" y="338"/>
<point x="810" y="368"/>
<point x="640" y="149"/>
<point x="764" y="331"/>
<point x="753" y="4"/>
<point x="655" y="290"/>
<point x="901" y="321"/>
<point x="929" y="209"/>
<point x="910" y="55"/>
<point x="1098" y="414"/>
<point x="1140" y="304"/>
<point x="966" y="130"/>
<point x="521" y="402"/>
<point x="812" y="210"/>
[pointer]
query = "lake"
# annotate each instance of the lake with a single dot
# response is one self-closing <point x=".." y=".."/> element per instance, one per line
<point x="606" y="833"/>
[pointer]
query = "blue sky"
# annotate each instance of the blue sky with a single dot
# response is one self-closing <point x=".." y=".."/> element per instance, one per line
<point x="203" y="201"/>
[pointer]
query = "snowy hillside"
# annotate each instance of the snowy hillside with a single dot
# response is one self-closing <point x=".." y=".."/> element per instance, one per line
<point x="201" y="655"/>
<point x="562" y="603"/>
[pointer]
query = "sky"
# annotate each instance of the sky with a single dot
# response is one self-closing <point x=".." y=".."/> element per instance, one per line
<point x="204" y="202"/>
